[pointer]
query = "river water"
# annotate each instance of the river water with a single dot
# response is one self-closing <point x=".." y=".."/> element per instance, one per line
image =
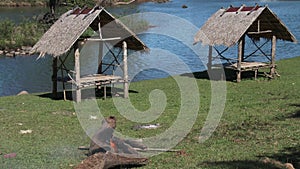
<point x="170" y="42"/>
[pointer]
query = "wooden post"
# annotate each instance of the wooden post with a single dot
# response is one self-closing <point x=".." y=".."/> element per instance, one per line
<point x="209" y="64"/>
<point x="100" y="50"/>
<point x="243" y="48"/>
<point x="240" y="56"/>
<point x="125" y="70"/>
<point x="63" y="82"/>
<point x="273" y="56"/>
<point x="100" y="57"/>
<point x="77" y="73"/>
<point x="54" y="78"/>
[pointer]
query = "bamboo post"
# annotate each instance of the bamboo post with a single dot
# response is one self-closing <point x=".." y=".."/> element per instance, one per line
<point x="54" y="78"/>
<point x="100" y="57"/>
<point x="100" y="50"/>
<point x="77" y="73"/>
<point x="63" y="81"/>
<point x="273" y="56"/>
<point x="240" y="56"/>
<point x="209" y="64"/>
<point x="125" y="69"/>
<point x="243" y="49"/>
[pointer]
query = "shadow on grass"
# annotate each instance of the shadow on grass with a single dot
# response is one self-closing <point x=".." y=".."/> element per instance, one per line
<point x="87" y="93"/>
<point x="296" y="114"/>
<point x="240" y="164"/>
<point x="219" y="74"/>
<point x="289" y="155"/>
<point x="267" y="161"/>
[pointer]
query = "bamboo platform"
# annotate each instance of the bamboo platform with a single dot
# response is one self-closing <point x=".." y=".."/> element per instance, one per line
<point x="89" y="81"/>
<point x="96" y="80"/>
<point x="245" y="66"/>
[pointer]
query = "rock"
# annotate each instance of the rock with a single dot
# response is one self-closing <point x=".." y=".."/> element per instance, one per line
<point x="1" y="52"/>
<point x="22" y="93"/>
<point x="17" y="53"/>
<point x="9" y="55"/>
<point x="161" y="1"/>
<point x="26" y="48"/>
<point x="184" y="6"/>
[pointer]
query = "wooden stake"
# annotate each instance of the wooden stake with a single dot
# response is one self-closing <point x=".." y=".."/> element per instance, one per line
<point x="272" y="73"/>
<point x="125" y="70"/>
<point x="54" y="78"/>
<point x="77" y="73"/>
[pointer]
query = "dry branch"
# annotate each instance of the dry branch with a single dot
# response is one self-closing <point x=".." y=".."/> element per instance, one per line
<point x="109" y="160"/>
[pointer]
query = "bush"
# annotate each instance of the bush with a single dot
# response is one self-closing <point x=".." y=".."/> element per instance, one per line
<point x="14" y="36"/>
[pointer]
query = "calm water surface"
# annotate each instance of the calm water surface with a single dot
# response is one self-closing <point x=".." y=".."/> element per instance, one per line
<point x="170" y="42"/>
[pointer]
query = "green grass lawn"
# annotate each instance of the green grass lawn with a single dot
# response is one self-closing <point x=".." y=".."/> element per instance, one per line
<point x="261" y="119"/>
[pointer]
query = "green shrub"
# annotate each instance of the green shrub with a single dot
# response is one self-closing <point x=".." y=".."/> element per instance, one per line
<point x="14" y="36"/>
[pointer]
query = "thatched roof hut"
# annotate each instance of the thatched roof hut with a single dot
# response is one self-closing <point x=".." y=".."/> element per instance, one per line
<point x="229" y="26"/>
<point x="66" y="33"/>
<point x="71" y="25"/>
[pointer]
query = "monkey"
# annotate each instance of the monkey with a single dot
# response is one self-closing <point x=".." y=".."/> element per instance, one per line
<point x="101" y="141"/>
<point x="104" y="140"/>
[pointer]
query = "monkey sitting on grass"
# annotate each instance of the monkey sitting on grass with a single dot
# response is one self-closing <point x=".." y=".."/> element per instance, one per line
<point x="104" y="140"/>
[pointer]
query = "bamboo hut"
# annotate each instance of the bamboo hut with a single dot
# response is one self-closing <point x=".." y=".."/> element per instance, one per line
<point x="65" y="36"/>
<point x="230" y="26"/>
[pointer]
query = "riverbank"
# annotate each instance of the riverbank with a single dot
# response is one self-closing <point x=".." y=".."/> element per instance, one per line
<point x="22" y="51"/>
<point x="29" y="3"/>
<point x="260" y="126"/>
<point x="18" y="39"/>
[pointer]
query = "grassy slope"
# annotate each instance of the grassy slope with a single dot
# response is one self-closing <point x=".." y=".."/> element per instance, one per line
<point x="261" y="119"/>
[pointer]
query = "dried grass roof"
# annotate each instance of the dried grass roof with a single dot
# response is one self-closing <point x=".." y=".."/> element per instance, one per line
<point x="227" y="26"/>
<point x="71" y="25"/>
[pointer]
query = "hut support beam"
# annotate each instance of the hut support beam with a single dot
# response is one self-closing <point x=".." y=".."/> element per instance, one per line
<point x="125" y="70"/>
<point x="209" y="64"/>
<point x="243" y="48"/>
<point x="100" y="50"/>
<point x="54" y="78"/>
<point x="77" y="73"/>
<point x="241" y="45"/>
<point x="100" y="57"/>
<point x="273" y="56"/>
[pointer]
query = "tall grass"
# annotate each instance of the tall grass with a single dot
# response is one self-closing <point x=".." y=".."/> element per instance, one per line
<point x="13" y="36"/>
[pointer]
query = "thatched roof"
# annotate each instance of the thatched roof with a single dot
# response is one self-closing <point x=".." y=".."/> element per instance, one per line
<point x="71" y="25"/>
<point x="227" y="26"/>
